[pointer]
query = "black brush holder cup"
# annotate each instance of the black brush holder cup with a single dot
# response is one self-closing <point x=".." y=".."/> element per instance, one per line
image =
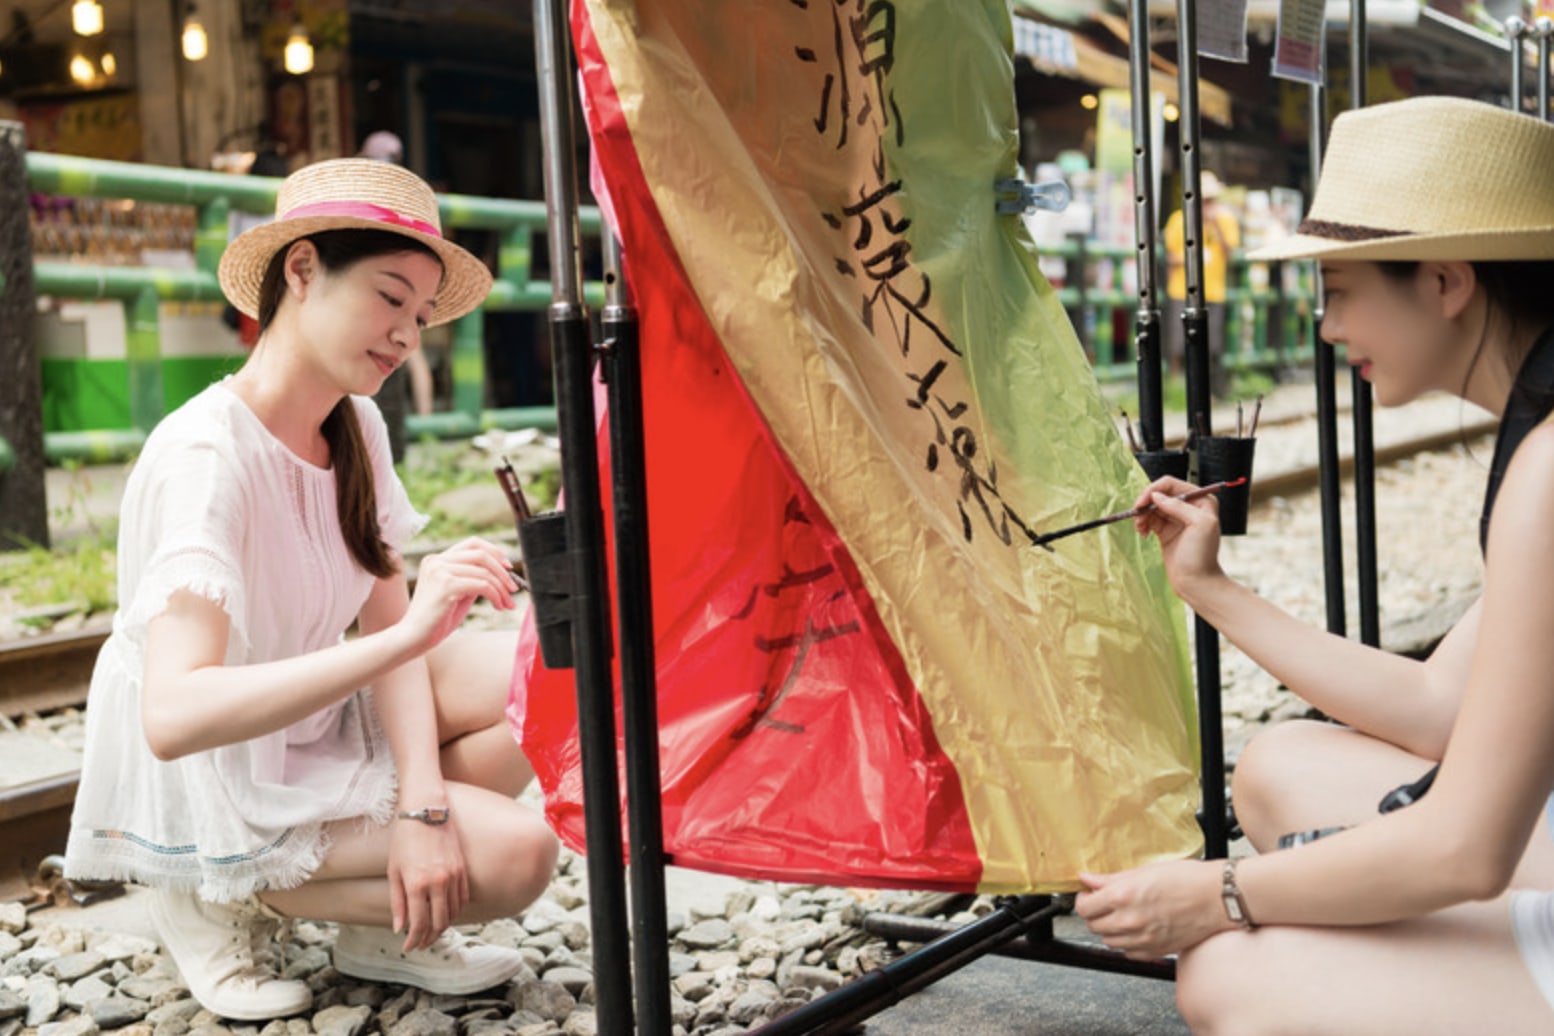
<point x="1159" y="463"/>
<point x="1225" y="458"/>
<point x="548" y="566"/>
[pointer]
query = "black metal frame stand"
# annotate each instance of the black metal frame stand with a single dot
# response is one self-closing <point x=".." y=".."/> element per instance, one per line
<point x="1195" y="329"/>
<point x="1019" y="927"/>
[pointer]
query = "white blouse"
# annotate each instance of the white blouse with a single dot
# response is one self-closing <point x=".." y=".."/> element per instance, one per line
<point x="218" y="506"/>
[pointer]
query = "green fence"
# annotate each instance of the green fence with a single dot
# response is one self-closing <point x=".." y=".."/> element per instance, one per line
<point x="1267" y="326"/>
<point x="135" y="392"/>
<point x="103" y="408"/>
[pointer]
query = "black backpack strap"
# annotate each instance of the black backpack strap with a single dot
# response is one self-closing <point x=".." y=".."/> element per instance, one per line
<point x="1531" y="400"/>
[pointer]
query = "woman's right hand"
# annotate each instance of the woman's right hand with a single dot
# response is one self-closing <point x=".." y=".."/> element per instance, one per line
<point x="448" y="584"/>
<point x="1188" y="531"/>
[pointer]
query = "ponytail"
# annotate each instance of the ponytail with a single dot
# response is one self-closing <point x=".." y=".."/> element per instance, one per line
<point x="355" y="497"/>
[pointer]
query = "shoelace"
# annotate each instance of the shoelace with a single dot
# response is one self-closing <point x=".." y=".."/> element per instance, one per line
<point x="449" y="945"/>
<point x="267" y="935"/>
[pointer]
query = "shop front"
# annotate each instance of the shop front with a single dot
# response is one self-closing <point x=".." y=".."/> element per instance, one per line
<point x="211" y="85"/>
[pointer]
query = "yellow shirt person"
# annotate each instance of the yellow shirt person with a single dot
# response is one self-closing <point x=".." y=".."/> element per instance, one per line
<point x="1221" y="237"/>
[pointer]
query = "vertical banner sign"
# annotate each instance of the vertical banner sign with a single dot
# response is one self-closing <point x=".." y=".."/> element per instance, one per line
<point x="1222" y="29"/>
<point x="862" y="402"/>
<point x="1297" y="51"/>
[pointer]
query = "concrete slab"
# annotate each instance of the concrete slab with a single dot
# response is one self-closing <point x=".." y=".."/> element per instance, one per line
<point x="25" y="759"/>
<point x="999" y="996"/>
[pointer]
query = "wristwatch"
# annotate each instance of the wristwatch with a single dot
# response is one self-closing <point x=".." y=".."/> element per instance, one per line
<point x="1235" y="903"/>
<point x="433" y="815"/>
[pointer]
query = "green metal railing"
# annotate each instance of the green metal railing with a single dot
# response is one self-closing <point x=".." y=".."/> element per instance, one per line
<point x="214" y="195"/>
<point x="1265" y="327"/>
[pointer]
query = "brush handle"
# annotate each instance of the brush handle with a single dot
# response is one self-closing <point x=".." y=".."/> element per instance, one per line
<point x="1121" y="516"/>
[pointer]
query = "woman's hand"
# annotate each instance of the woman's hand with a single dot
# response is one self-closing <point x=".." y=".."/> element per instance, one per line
<point x="1188" y="531"/>
<point x="1154" y="911"/>
<point x="428" y="882"/>
<point x="448" y="584"/>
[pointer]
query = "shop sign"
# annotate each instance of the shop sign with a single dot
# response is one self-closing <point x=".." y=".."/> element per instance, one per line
<point x="106" y="126"/>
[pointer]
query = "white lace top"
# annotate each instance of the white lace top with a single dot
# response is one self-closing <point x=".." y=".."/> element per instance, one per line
<point x="218" y="506"/>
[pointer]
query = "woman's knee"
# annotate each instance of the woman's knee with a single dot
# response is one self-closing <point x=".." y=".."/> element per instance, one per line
<point x="1268" y="766"/>
<point x="516" y="858"/>
<point x="1216" y="987"/>
<point x="471" y="673"/>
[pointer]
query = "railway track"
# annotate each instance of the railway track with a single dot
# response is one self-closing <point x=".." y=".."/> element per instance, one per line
<point x="49" y="673"/>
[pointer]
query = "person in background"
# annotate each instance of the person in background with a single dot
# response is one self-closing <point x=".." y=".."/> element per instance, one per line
<point x="1430" y="911"/>
<point x="1221" y="238"/>
<point x="245" y="758"/>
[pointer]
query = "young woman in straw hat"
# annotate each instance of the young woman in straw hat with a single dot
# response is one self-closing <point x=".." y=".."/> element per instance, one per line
<point x="242" y="757"/>
<point x="1434" y="226"/>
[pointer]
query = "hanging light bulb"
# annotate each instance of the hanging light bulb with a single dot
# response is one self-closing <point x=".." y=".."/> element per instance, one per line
<point x="195" y="43"/>
<point x="81" y="70"/>
<point x="299" y="51"/>
<point x="109" y="64"/>
<point x="86" y="17"/>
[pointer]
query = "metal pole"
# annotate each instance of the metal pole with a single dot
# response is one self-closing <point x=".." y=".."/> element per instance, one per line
<point x="1195" y="322"/>
<point x="1515" y="31"/>
<point x="1146" y="335"/>
<point x="1037" y="944"/>
<point x="863" y="997"/>
<point x="572" y="359"/>
<point x="1195" y="325"/>
<point x="639" y="704"/>
<point x="1360" y="391"/>
<point x="1543" y="26"/>
<point x="24" y="516"/>
<point x="1326" y="364"/>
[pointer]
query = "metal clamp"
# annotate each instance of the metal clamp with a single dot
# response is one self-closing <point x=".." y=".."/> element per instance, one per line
<point x="1017" y="196"/>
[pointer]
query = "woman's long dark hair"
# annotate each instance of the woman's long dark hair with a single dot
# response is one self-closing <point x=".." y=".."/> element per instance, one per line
<point x="355" y="495"/>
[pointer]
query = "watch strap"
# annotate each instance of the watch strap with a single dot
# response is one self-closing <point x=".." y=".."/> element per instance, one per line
<point x="1235" y="902"/>
<point x="433" y="815"/>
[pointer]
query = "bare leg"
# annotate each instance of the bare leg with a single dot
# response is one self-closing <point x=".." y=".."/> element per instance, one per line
<point x="509" y="852"/>
<point x="471" y="673"/>
<point x="1305" y="775"/>
<point x="1454" y="972"/>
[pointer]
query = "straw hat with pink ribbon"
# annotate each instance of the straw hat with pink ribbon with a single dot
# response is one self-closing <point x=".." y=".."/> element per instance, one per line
<point x="354" y="194"/>
<point x="1430" y="178"/>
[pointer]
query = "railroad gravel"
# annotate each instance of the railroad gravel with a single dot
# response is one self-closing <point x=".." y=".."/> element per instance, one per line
<point x="768" y="948"/>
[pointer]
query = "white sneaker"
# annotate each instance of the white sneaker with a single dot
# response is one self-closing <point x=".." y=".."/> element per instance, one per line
<point x="453" y="965"/>
<point x="223" y="951"/>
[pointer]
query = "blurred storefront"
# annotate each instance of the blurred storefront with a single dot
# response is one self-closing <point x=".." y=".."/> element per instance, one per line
<point x="208" y="84"/>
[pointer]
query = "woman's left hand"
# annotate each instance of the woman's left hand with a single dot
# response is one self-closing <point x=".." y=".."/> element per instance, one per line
<point x="1154" y="911"/>
<point x="428" y="881"/>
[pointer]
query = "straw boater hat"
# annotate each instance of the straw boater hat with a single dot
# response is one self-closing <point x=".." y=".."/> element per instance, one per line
<point x="1430" y="178"/>
<point x="353" y="193"/>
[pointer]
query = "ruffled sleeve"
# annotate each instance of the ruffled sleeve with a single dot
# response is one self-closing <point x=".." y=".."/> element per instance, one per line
<point x="397" y="517"/>
<point x="184" y="526"/>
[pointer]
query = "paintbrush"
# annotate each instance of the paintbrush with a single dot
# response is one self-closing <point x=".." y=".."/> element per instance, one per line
<point x="1122" y="516"/>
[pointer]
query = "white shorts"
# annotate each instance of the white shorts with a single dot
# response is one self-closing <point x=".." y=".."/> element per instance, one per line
<point x="1532" y="919"/>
